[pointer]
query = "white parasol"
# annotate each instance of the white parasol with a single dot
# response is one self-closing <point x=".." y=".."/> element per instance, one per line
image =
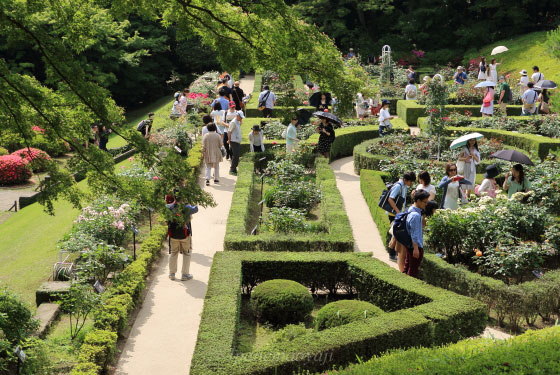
<point x="499" y="49"/>
<point x="485" y="84"/>
<point x="462" y="141"/>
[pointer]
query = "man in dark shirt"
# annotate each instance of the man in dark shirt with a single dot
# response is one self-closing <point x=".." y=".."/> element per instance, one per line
<point x="238" y="95"/>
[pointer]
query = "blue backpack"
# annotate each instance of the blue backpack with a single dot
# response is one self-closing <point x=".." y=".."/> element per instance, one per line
<point x="399" y="230"/>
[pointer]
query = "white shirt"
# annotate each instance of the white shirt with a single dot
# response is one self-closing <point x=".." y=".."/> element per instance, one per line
<point x="235" y="130"/>
<point x="270" y="100"/>
<point x="256" y="141"/>
<point x="486" y="186"/>
<point x="410" y="91"/>
<point x="537" y="77"/>
<point x="204" y="130"/>
<point x="183" y="104"/>
<point x="384" y="117"/>
<point x="218" y="117"/>
<point x="430" y="188"/>
<point x="523" y="81"/>
<point x="176" y="108"/>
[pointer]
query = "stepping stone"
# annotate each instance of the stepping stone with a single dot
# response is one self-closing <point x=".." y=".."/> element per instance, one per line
<point x="50" y="291"/>
<point x="46" y="314"/>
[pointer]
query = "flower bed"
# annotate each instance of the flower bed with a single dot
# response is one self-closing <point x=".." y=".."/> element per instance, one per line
<point x="36" y="158"/>
<point x="14" y="170"/>
<point x="335" y="234"/>
<point x="416" y="313"/>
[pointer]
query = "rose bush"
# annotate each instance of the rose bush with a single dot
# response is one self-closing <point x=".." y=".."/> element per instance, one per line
<point x="14" y="170"/>
<point x="36" y="158"/>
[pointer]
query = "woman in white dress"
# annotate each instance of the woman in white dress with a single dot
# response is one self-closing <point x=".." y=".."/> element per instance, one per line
<point x="487" y="108"/>
<point x="451" y="187"/>
<point x="471" y="157"/>
<point x="493" y="76"/>
<point x="361" y="106"/>
<point x="482" y="69"/>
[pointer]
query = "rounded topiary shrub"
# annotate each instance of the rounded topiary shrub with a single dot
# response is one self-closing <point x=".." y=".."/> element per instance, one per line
<point x="36" y="158"/>
<point x="281" y="302"/>
<point x="345" y="311"/>
<point x="13" y="170"/>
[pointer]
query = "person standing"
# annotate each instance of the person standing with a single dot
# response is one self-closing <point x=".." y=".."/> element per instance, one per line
<point x="506" y="95"/>
<point x="523" y="81"/>
<point x="267" y="99"/>
<point x="212" y="153"/>
<point x="529" y="99"/>
<point x="384" y="118"/>
<point x="291" y="135"/>
<point x="488" y="185"/>
<point x="103" y="136"/>
<point x="256" y="139"/>
<point x="411" y="74"/>
<point x="326" y="137"/>
<point x="183" y="101"/>
<point x="424" y="183"/>
<point x="323" y="104"/>
<point x="176" y="109"/>
<point x="415" y="254"/>
<point x="397" y="201"/>
<point x="238" y="95"/>
<point x="410" y="91"/>
<point x="537" y="76"/>
<point x="493" y="76"/>
<point x="179" y="231"/>
<point x="471" y="157"/>
<point x="234" y="140"/>
<point x="451" y="187"/>
<point x="482" y="69"/>
<point x="222" y="99"/>
<point x="487" y="108"/>
<point x="460" y="76"/>
<point x="217" y="115"/>
<point x="544" y="100"/>
<point x="516" y="181"/>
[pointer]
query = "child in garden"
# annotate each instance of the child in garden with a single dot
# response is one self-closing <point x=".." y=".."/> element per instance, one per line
<point x="385" y="118"/>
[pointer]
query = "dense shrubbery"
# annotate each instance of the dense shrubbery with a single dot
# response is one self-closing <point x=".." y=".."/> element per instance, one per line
<point x="548" y="126"/>
<point x="342" y="312"/>
<point x="37" y="159"/>
<point x="281" y="301"/>
<point x="14" y="170"/>
<point x="176" y="134"/>
<point x="3" y="151"/>
<point x="303" y="195"/>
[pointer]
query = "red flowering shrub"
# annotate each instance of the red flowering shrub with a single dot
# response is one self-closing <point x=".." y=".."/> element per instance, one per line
<point x="13" y="170"/>
<point x="36" y="158"/>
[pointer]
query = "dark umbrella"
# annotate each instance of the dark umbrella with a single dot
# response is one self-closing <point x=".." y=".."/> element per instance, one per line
<point x="546" y="84"/>
<point x="315" y="99"/>
<point x="513" y="156"/>
<point x="329" y="116"/>
<point x="303" y="115"/>
<point x="309" y="84"/>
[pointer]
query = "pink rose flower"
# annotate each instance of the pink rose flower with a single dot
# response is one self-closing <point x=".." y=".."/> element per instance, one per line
<point x="155" y="178"/>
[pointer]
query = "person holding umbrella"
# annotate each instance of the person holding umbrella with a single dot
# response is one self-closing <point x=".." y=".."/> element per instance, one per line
<point x="516" y="181"/>
<point x="487" y="108"/>
<point x="471" y="157"/>
<point x="326" y="137"/>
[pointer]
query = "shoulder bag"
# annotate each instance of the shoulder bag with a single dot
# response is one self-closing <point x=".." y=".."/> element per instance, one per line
<point x="262" y="103"/>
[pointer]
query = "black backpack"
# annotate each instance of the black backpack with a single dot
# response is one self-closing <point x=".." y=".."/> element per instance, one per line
<point x="178" y="231"/>
<point x="400" y="231"/>
<point x="384" y="199"/>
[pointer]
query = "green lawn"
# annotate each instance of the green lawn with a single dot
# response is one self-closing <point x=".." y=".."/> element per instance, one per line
<point x="28" y="249"/>
<point x="524" y="52"/>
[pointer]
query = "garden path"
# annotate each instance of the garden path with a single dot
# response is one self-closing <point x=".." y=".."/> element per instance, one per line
<point x="366" y="235"/>
<point x="163" y="336"/>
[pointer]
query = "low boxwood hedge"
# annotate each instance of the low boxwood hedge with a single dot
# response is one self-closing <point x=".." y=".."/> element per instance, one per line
<point x="416" y="313"/>
<point x="112" y="315"/>
<point x="333" y="217"/>
<point x="410" y="110"/>
<point x="514" y="302"/>
<point x="535" y="352"/>
<point x="345" y="311"/>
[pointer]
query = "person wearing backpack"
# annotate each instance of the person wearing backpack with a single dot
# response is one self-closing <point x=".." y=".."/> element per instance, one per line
<point x="414" y="227"/>
<point x="179" y="231"/>
<point x="529" y="99"/>
<point x="410" y="91"/>
<point x="145" y="126"/>
<point x="506" y="95"/>
<point x="267" y="101"/>
<point x="397" y="202"/>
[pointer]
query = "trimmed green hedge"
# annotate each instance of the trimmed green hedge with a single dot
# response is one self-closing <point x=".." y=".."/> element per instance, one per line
<point x="118" y="301"/>
<point x="528" y="142"/>
<point x="514" y="302"/>
<point x="416" y="313"/>
<point x="535" y="352"/>
<point x="410" y="110"/>
<point x="333" y="217"/>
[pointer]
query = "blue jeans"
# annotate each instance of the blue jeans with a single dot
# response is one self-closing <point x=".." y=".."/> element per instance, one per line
<point x="383" y="130"/>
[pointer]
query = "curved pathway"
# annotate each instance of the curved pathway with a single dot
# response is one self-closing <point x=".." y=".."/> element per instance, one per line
<point x="366" y="235"/>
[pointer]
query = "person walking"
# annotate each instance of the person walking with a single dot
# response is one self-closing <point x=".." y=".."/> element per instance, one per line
<point x="238" y="95"/>
<point x="267" y="101"/>
<point x="523" y="81"/>
<point x="234" y="140"/>
<point x="493" y="76"/>
<point x="291" y="135"/>
<point x="179" y="231"/>
<point x="471" y="157"/>
<point x="397" y="201"/>
<point x="212" y="153"/>
<point x="544" y="100"/>
<point x="487" y="108"/>
<point x="256" y="139"/>
<point x="516" y="181"/>
<point x="529" y="99"/>
<point x="505" y="97"/>
<point x="537" y="76"/>
<point x="385" y="118"/>
<point x="222" y="99"/>
<point x="482" y="69"/>
<point x="414" y="220"/>
<point x="326" y="137"/>
<point x="451" y="187"/>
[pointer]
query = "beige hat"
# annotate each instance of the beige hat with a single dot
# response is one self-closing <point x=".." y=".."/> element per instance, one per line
<point x="426" y="78"/>
<point x="523" y="72"/>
